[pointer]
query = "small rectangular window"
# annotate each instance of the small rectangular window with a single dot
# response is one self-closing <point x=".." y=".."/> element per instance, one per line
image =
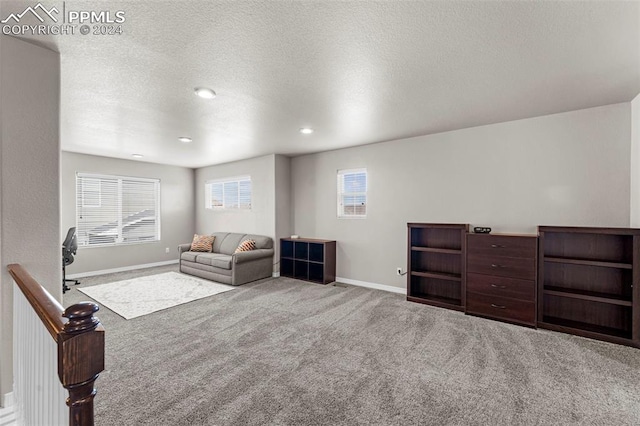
<point x="228" y="194"/>
<point x="352" y="193"/>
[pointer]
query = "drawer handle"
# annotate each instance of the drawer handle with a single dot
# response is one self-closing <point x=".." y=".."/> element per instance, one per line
<point x="498" y="246"/>
<point x="493" y="305"/>
<point x="498" y="286"/>
<point x="493" y="265"/>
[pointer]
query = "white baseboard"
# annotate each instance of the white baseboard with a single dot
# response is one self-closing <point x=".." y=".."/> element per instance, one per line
<point x="375" y="286"/>
<point x="123" y="269"/>
<point x="6" y="400"/>
<point x="275" y="274"/>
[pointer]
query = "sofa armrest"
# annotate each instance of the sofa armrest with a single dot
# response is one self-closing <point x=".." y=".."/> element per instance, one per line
<point x="184" y="247"/>
<point x="247" y="256"/>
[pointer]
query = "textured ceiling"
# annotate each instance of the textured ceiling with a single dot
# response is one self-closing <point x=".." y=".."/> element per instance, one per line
<point x="357" y="72"/>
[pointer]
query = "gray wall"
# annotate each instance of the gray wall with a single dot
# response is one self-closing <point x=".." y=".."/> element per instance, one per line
<point x="635" y="162"/>
<point x="270" y="205"/>
<point x="564" y="169"/>
<point x="177" y="211"/>
<point x="29" y="201"/>
<point x="284" y="219"/>
<point x="260" y="219"/>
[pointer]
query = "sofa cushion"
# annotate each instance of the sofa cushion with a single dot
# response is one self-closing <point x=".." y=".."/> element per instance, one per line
<point x="220" y="236"/>
<point x="230" y="243"/>
<point x="189" y="255"/>
<point x="202" y="243"/>
<point x="214" y="259"/>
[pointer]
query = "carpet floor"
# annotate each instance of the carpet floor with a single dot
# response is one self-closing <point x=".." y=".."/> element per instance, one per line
<point x="287" y="352"/>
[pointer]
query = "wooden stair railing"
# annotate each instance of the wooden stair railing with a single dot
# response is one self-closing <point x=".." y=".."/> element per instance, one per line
<point x="80" y="340"/>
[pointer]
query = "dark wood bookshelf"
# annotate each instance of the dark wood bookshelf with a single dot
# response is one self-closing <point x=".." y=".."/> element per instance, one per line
<point x="436" y="264"/>
<point x="589" y="282"/>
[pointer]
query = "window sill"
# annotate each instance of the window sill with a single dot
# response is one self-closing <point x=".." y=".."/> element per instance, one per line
<point x="133" y="243"/>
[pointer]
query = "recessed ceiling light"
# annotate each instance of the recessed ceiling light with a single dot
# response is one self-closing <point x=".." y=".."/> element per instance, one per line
<point x="184" y="139"/>
<point x="205" y="93"/>
<point x="137" y="155"/>
<point x="306" y="130"/>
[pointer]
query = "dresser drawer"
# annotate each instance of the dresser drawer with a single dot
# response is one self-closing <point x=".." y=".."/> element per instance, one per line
<point x="512" y="267"/>
<point x="502" y="245"/>
<point x="501" y="307"/>
<point x="500" y="286"/>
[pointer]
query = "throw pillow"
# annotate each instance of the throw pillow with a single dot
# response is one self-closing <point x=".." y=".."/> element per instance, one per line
<point x="202" y="243"/>
<point x="247" y="245"/>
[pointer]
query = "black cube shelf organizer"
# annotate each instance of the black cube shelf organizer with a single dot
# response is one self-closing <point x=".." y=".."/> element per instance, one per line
<point x="308" y="259"/>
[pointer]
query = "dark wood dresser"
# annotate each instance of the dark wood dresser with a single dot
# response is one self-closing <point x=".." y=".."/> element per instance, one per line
<point x="501" y="277"/>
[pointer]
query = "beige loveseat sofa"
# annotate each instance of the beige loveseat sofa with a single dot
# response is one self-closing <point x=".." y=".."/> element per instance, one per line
<point x="225" y="266"/>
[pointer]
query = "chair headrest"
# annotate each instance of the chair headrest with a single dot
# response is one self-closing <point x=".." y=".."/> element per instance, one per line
<point x="71" y="240"/>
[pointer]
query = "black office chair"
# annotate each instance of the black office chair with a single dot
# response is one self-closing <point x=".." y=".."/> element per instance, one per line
<point x="69" y="248"/>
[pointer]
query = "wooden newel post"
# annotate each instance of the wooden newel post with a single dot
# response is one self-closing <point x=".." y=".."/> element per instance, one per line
<point x="80" y="360"/>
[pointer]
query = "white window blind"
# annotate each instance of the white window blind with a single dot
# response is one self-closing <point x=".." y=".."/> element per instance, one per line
<point x="112" y="210"/>
<point x="91" y="193"/>
<point x="230" y="193"/>
<point x="352" y="193"/>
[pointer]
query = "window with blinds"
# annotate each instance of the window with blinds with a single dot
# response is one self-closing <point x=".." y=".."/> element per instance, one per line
<point x="228" y="194"/>
<point x="352" y="193"/>
<point x="113" y="210"/>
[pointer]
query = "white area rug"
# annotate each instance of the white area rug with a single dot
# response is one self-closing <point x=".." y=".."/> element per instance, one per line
<point x="141" y="296"/>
